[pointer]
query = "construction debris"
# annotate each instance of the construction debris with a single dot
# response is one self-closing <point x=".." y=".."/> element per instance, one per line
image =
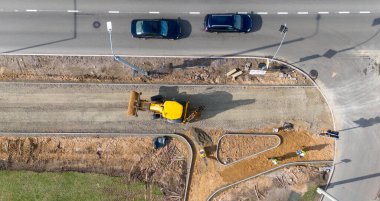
<point x="232" y="72"/>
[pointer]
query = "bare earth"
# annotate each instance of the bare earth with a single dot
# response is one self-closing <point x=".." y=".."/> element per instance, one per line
<point x="233" y="148"/>
<point x="130" y="157"/>
<point x="233" y="108"/>
<point x="171" y="70"/>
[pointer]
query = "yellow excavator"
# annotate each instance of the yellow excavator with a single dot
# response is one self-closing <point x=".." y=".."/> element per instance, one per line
<point x="173" y="111"/>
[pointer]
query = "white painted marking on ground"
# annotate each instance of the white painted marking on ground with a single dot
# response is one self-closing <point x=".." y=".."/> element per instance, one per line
<point x="15" y="10"/>
<point x="31" y="10"/>
<point x="323" y="12"/>
<point x="242" y="12"/>
<point x="365" y="12"/>
<point x="344" y="12"/>
<point x="282" y="13"/>
<point x="302" y="13"/>
<point x="262" y="13"/>
<point x="194" y="13"/>
<point x="154" y="12"/>
<point x="113" y="11"/>
<point x="73" y="11"/>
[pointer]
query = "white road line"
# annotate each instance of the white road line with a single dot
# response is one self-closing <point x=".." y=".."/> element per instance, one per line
<point x="154" y="12"/>
<point x="194" y="13"/>
<point x="365" y="12"/>
<point x="262" y="13"/>
<point x="31" y="10"/>
<point x="113" y="11"/>
<point x="344" y="12"/>
<point x="242" y="12"/>
<point x="282" y="13"/>
<point x="302" y="13"/>
<point x="323" y="12"/>
<point x="73" y="11"/>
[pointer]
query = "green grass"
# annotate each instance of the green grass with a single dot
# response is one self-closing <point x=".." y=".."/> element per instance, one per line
<point x="27" y="185"/>
<point x="310" y="194"/>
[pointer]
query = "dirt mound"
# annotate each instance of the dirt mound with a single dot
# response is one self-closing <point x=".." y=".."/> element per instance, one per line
<point x="232" y="148"/>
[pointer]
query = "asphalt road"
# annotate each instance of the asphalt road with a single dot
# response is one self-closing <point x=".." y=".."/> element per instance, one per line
<point x="340" y="46"/>
<point x="103" y="108"/>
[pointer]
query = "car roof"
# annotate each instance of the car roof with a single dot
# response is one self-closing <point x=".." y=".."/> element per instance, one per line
<point x="221" y="20"/>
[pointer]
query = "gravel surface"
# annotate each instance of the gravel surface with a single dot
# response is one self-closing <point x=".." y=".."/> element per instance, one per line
<point x="34" y="107"/>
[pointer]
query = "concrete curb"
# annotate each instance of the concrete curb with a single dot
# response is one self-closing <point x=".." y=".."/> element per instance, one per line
<point x="178" y="136"/>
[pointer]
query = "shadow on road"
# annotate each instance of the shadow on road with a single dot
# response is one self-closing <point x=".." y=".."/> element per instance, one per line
<point x="332" y="185"/>
<point x="214" y="102"/>
<point x="363" y="123"/>
<point x="331" y="52"/>
<point x="95" y="24"/>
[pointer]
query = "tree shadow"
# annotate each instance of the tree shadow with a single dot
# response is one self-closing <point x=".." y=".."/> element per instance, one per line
<point x="186" y="28"/>
<point x="57" y="41"/>
<point x="214" y="102"/>
<point x="331" y="52"/>
<point x="201" y="62"/>
<point x="362" y="122"/>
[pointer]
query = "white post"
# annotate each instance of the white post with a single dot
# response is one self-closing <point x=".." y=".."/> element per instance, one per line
<point x="283" y="32"/>
<point x="321" y="191"/>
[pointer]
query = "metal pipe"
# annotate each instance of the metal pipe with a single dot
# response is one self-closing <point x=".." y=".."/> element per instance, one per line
<point x="321" y="191"/>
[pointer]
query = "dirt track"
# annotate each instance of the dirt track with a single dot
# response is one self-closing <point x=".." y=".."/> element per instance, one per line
<point x="102" y="108"/>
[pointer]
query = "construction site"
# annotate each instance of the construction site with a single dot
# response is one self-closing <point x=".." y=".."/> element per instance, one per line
<point x="199" y="128"/>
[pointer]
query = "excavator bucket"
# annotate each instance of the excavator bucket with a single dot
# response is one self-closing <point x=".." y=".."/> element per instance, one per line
<point x="133" y="103"/>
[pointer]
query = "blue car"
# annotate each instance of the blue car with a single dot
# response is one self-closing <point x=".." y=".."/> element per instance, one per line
<point x="156" y="28"/>
<point x="228" y="23"/>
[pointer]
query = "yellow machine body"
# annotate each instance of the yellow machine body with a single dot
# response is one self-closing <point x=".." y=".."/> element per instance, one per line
<point x="171" y="110"/>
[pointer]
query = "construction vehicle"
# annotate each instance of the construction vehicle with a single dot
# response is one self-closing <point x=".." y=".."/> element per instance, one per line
<point x="173" y="111"/>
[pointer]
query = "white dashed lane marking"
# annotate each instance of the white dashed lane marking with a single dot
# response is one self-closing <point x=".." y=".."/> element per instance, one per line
<point x="31" y="10"/>
<point x="194" y="13"/>
<point x="365" y="12"/>
<point x="262" y="13"/>
<point x="302" y="13"/>
<point x="113" y="11"/>
<point x="73" y="11"/>
<point x="282" y="13"/>
<point x="344" y="12"/>
<point x="154" y="12"/>
<point x="323" y="12"/>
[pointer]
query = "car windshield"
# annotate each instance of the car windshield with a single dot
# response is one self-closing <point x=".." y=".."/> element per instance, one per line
<point x="237" y="22"/>
<point x="164" y="28"/>
<point x="152" y="28"/>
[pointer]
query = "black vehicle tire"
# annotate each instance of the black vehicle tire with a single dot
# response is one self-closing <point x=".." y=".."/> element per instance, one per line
<point x="156" y="116"/>
<point x="157" y="98"/>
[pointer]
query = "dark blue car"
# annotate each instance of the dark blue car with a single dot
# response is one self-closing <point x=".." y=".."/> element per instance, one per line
<point x="228" y="23"/>
<point x="156" y="28"/>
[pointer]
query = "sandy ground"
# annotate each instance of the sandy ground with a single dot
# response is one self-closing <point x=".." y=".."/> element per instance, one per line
<point x="171" y="70"/>
<point x="133" y="158"/>
<point x="214" y="176"/>
<point x="26" y="107"/>
<point x="244" y="146"/>
<point x="279" y="185"/>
